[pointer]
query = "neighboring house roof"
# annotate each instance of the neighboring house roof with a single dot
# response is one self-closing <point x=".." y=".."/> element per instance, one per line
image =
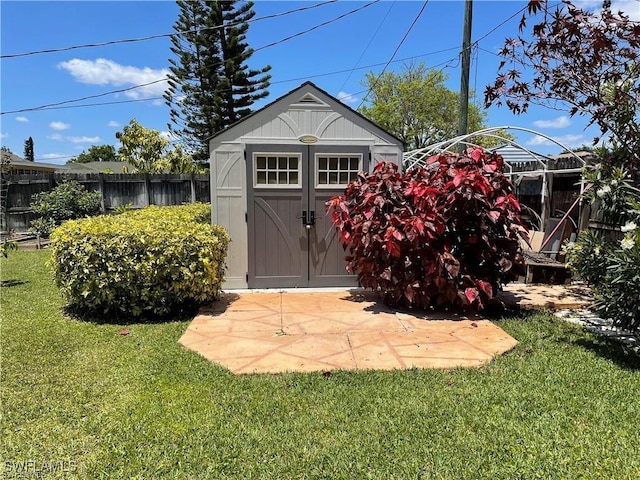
<point x="522" y="160"/>
<point x="584" y="155"/>
<point x="310" y="90"/>
<point x="17" y="163"/>
<point x="514" y="154"/>
<point x="99" y="167"/>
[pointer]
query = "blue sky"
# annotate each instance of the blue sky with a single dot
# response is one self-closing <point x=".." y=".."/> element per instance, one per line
<point x="335" y="57"/>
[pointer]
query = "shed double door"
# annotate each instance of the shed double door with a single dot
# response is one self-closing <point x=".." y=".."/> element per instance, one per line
<point x="292" y="242"/>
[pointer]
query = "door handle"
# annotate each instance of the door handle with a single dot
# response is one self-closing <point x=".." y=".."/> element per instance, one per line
<point x="308" y="219"/>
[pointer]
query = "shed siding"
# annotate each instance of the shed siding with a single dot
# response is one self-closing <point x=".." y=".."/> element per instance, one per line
<point x="228" y="193"/>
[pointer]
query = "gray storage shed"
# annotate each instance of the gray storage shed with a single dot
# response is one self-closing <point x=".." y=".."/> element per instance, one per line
<point x="271" y="174"/>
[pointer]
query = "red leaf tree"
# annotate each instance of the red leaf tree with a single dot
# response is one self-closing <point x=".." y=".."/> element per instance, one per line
<point x="446" y="234"/>
<point x="582" y="62"/>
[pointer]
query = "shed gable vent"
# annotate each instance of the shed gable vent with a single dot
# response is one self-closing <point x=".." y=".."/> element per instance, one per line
<point x="310" y="99"/>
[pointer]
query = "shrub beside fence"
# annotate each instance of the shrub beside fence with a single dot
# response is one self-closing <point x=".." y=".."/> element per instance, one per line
<point x="137" y="190"/>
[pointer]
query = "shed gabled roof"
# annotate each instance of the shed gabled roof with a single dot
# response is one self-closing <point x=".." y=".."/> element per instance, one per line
<point x="308" y="93"/>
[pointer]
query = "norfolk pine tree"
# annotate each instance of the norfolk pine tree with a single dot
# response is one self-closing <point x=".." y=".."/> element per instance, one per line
<point x="28" y="150"/>
<point x="210" y="85"/>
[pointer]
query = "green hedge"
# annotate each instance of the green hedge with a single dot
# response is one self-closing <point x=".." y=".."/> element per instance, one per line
<point x="144" y="262"/>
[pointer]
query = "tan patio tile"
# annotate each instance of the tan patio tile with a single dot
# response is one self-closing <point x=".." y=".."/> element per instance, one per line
<point x="269" y="324"/>
<point x="281" y="362"/>
<point x="325" y="302"/>
<point x="256" y="301"/>
<point x="343" y="360"/>
<point x="342" y="322"/>
<point x="452" y="349"/>
<point x="211" y="325"/>
<point x="231" y="346"/>
<point x="194" y="341"/>
<point x="487" y="337"/>
<point x="324" y="348"/>
<point x="377" y="357"/>
<point x="372" y="351"/>
<point x="314" y="326"/>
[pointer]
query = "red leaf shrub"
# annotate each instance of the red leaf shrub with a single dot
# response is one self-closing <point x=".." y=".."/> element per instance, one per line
<point x="446" y="234"/>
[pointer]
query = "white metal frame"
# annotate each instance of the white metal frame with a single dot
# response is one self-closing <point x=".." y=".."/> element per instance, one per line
<point x="418" y="157"/>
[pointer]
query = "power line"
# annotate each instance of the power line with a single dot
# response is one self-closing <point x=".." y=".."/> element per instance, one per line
<point x="499" y="25"/>
<point x="88" y="97"/>
<point x="306" y="77"/>
<point x="367" y="47"/>
<point x="64" y="102"/>
<point x="446" y="64"/>
<point x="160" y="35"/>
<point x="316" y="26"/>
<point x="415" y="20"/>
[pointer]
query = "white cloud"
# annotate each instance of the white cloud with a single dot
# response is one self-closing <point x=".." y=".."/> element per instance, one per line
<point x="22" y="119"/>
<point x="113" y="123"/>
<point x="345" y="97"/>
<point x="55" y="136"/>
<point x="628" y="7"/>
<point x="84" y="139"/>
<point x="570" y="140"/>
<point x="107" y="72"/>
<point x="59" y="125"/>
<point x="168" y="135"/>
<point x="4" y="135"/>
<point x="51" y="156"/>
<point x="560" y="122"/>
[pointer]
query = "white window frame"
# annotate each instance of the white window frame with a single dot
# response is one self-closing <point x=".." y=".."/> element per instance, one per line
<point x="292" y="186"/>
<point x="333" y="186"/>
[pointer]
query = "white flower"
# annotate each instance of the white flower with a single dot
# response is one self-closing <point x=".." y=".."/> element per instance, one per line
<point x="614" y="182"/>
<point x="627" y="243"/>
<point x="596" y="251"/>
<point x="601" y="192"/>
<point x="629" y="227"/>
<point x="568" y="248"/>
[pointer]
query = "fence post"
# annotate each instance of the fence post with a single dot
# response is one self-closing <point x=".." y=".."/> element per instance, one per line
<point x="193" y="188"/>
<point x="147" y="188"/>
<point x="101" y="187"/>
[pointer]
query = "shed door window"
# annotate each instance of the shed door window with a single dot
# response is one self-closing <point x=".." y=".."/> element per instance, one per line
<point x="337" y="170"/>
<point x="277" y="170"/>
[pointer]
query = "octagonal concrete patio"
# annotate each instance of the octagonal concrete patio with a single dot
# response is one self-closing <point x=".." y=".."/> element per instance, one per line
<point x="320" y="331"/>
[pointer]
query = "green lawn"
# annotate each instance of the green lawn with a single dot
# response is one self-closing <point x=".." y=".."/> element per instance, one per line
<point x="75" y="394"/>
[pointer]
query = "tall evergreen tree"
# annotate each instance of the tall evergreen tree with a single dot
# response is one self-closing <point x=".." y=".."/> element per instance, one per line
<point x="210" y="83"/>
<point x="28" y="150"/>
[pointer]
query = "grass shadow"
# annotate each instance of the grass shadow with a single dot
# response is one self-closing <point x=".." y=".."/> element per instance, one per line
<point x="11" y="283"/>
<point x="621" y="354"/>
<point x="182" y="313"/>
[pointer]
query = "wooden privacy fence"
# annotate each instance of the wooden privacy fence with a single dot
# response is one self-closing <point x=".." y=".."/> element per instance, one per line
<point x="136" y="190"/>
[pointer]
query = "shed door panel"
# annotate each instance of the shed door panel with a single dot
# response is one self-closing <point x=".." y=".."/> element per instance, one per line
<point x="333" y="168"/>
<point x="277" y="247"/>
<point x="282" y="251"/>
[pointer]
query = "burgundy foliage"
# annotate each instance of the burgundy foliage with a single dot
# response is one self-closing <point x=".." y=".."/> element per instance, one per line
<point x="585" y="63"/>
<point x="446" y="234"/>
